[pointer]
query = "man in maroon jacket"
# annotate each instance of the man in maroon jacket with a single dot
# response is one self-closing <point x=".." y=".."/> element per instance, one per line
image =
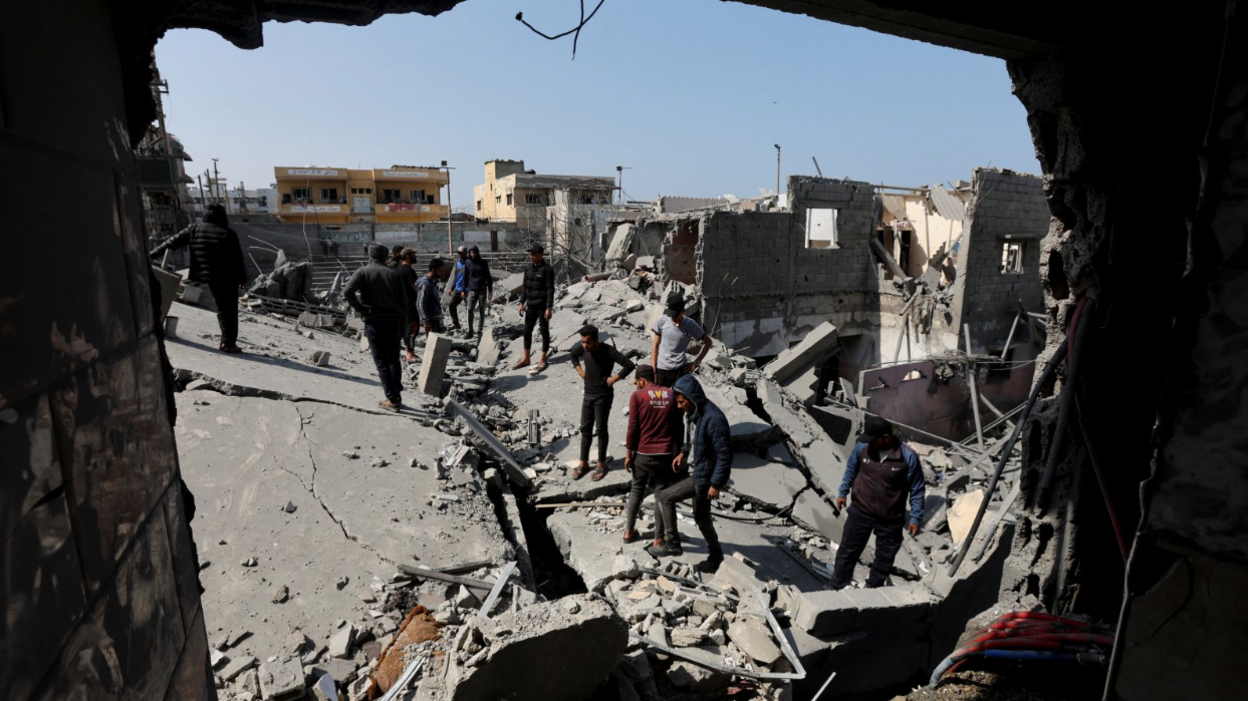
<point x="655" y="434"/>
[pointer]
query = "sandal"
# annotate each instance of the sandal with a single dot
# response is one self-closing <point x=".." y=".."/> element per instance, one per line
<point x="599" y="473"/>
<point x="580" y="471"/>
<point x="520" y="364"/>
<point x="630" y="536"/>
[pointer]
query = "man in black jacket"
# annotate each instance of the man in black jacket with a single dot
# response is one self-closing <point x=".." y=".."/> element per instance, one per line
<point x="480" y="286"/>
<point x="376" y="292"/>
<point x="600" y="361"/>
<point x="216" y="261"/>
<point x="406" y="268"/>
<point x="536" y="302"/>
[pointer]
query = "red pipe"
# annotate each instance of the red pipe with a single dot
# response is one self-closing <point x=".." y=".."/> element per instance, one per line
<point x="1074" y="324"/>
<point x="1039" y="642"/>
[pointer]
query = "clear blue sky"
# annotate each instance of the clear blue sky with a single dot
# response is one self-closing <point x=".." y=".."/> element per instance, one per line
<point x="690" y="94"/>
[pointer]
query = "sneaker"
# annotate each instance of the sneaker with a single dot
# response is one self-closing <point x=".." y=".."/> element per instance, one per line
<point x="667" y="549"/>
<point x="711" y="564"/>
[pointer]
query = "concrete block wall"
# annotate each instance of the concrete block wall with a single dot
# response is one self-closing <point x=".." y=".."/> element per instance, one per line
<point x="1004" y="204"/>
<point x="98" y="585"/>
<point x="765" y="290"/>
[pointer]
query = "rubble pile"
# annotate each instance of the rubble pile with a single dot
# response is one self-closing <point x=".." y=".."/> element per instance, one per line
<point x="289" y="280"/>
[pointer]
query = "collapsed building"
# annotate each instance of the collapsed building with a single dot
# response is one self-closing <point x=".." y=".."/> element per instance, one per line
<point x="100" y="595"/>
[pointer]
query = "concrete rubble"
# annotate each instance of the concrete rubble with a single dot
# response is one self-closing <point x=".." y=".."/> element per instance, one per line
<point x="461" y="511"/>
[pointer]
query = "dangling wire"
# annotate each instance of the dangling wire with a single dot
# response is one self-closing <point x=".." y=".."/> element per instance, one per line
<point x="575" y="30"/>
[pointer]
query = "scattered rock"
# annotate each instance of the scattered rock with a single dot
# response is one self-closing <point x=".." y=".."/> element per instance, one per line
<point x="281" y="595"/>
<point x="237" y="666"/>
<point x="351" y="454"/>
<point x="290" y="507"/>
<point x="250" y="562"/>
<point x="340" y="644"/>
<point x="753" y="639"/>
<point x="625" y="567"/>
<point x="687" y="637"/>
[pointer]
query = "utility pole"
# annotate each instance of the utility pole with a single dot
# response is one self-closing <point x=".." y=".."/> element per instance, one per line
<point x="242" y="197"/>
<point x="620" y="170"/>
<point x="777" y="174"/>
<point x="203" y="200"/>
<point x="450" y="234"/>
<point x="216" y="179"/>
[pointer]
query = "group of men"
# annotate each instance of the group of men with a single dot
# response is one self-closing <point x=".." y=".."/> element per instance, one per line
<point x="678" y="443"/>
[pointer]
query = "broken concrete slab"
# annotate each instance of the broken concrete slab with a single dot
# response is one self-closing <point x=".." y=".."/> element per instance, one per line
<point x="815" y="513"/>
<point x="343" y="642"/>
<point x="752" y="637"/>
<point x="236" y="666"/>
<point x="745" y="425"/>
<point x="962" y="514"/>
<point x="688" y="675"/>
<point x="546" y="654"/>
<point x="281" y="680"/>
<point x="770" y="483"/>
<point x="823" y="459"/>
<point x="791" y="362"/>
<point x="510" y="285"/>
<point x="433" y="364"/>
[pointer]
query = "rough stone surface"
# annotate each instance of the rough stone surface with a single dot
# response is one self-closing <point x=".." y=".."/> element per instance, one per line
<point x="281" y="680"/>
<point x="962" y="514"/>
<point x="549" y="655"/>
<point x="754" y="639"/>
<point x="771" y="483"/>
<point x="433" y="364"/>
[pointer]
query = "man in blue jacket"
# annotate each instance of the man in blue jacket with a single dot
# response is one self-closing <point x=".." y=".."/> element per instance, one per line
<point x="458" y="292"/>
<point x="709" y="451"/>
<point x="881" y="472"/>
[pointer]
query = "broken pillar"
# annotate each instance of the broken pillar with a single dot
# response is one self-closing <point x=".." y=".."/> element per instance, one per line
<point x="543" y="652"/>
<point x="793" y="361"/>
<point x="433" y="365"/>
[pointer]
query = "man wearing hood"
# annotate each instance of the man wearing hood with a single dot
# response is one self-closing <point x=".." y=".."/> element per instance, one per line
<point x="480" y="286"/>
<point x="709" y="453"/>
<point x="881" y="472"/>
<point x="216" y="261"/>
<point x="376" y="292"/>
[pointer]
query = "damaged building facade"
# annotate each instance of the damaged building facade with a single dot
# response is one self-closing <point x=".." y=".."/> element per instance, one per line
<point x="101" y="598"/>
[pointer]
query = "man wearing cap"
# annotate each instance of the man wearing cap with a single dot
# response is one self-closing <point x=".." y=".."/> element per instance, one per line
<point x="458" y="293"/>
<point x="480" y="286"/>
<point x="536" y="303"/>
<point x="396" y="256"/>
<point x="881" y="472"/>
<point x="600" y="360"/>
<point x="655" y="431"/>
<point x="672" y="333"/>
<point x="709" y="452"/>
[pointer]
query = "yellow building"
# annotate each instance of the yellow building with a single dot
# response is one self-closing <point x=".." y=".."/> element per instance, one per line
<point x="395" y="195"/>
<point x="514" y="195"/>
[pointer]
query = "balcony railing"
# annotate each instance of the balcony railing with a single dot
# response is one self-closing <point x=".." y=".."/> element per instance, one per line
<point x="438" y="210"/>
<point x="313" y="208"/>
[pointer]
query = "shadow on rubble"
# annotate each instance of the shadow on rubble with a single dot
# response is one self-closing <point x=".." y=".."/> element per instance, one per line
<point x="254" y="357"/>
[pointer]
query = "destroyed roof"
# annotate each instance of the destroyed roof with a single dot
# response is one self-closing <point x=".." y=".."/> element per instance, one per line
<point x="946" y="204"/>
<point x="561" y="181"/>
<point x="896" y="206"/>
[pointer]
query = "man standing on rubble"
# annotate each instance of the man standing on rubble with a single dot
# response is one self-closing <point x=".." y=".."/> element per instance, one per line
<point x="376" y="292"/>
<point x="406" y="268"/>
<point x="600" y="360"/>
<point x="216" y="261"/>
<point x="428" y="301"/>
<point x="655" y="430"/>
<point x="672" y="333"/>
<point x="396" y="257"/>
<point x="457" y="292"/>
<point x="710" y="453"/>
<point x="536" y="302"/>
<point x="880" y="472"/>
<point x="480" y="287"/>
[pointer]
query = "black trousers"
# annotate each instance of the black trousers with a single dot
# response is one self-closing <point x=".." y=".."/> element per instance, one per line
<point x="651" y="473"/>
<point x="226" y="297"/>
<point x="680" y="491"/>
<point x="534" y="315"/>
<point x="383" y="341"/>
<point x="476" y="302"/>
<point x="594" y="414"/>
<point x="858" y="529"/>
<point x="409" y="332"/>
<point x="457" y="298"/>
<point x="667" y="378"/>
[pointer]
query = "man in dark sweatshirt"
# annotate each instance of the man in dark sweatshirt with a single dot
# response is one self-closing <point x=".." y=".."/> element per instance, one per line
<point x="536" y="302"/>
<point x="480" y="286"/>
<point x="881" y="472"/>
<point x="428" y="300"/>
<point x="216" y="261"/>
<point x="655" y="432"/>
<point x="710" y="452"/>
<point x="406" y="268"/>
<point x="600" y="360"/>
<point x="376" y="292"/>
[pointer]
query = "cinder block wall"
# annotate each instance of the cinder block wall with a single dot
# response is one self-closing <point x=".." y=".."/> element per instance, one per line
<point x="765" y="290"/>
<point x="1004" y="204"/>
<point x="98" y="583"/>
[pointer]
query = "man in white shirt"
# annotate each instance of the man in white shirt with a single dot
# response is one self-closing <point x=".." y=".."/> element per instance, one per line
<point x="672" y="333"/>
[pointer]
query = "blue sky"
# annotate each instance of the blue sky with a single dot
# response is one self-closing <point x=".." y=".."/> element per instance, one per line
<point x="690" y="94"/>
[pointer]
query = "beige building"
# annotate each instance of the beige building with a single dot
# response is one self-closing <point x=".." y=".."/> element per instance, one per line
<point x="513" y="195"/>
<point x="395" y="195"/>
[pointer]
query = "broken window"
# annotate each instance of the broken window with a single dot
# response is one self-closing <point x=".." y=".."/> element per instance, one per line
<point x="478" y="205"/>
<point x="301" y="194"/>
<point x="539" y="199"/>
<point x="418" y="195"/>
<point x="509" y="199"/>
<point x="388" y="196"/>
<point x="329" y="194"/>
<point x="1012" y="258"/>
<point x="821" y="228"/>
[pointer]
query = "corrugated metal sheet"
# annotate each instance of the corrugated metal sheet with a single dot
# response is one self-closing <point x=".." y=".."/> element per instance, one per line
<point x="947" y="204"/>
<point x="896" y="206"/>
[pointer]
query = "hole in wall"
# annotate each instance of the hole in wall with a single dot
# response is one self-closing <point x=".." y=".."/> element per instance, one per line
<point x="1056" y="277"/>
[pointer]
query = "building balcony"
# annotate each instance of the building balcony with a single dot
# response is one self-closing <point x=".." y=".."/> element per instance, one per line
<point x="430" y="211"/>
<point x="313" y="208"/>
